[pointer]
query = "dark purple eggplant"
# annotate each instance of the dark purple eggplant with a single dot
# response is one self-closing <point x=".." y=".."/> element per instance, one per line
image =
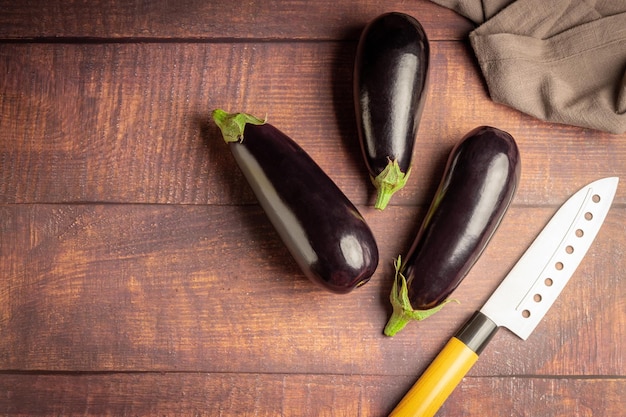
<point x="325" y="233"/>
<point x="478" y="185"/>
<point x="390" y="83"/>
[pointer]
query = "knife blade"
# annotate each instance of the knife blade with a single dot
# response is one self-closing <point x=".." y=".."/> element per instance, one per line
<point x="521" y="300"/>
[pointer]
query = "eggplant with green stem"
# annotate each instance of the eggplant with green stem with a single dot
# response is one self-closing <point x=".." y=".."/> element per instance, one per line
<point x="390" y="85"/>
<point x="478" y="185"/>
<point x="322" y="229"/>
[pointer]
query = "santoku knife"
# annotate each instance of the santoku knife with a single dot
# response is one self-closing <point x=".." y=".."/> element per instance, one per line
<point x="521" y="300"/>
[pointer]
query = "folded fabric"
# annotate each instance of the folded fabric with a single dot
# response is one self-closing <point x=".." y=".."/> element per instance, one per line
<point x="561" y="61"/>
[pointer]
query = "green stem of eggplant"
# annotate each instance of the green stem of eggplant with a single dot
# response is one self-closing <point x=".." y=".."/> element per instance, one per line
<point x="403" y="312"/>
<point x="390" y="180"/>
<point x="232" y="125"/>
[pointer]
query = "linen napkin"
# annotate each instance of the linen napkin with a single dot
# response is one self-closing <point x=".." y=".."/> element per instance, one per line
<point x="561" y="61"/>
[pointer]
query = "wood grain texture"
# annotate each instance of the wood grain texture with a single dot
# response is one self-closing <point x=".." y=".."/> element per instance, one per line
<point x="129" y="123"/>
<point x="203" y="394"/>
<point x="177" y="288"/>
<point x="193" y="20"/>
<point x="139" y="276"/>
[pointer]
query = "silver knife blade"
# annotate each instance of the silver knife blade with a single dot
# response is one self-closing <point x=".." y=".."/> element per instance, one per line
<point x="537" y="279"/>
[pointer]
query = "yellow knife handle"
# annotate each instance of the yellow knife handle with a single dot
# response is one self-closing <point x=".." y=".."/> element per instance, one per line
<point x="447" y="370"/>
<point x="438" y="381"/>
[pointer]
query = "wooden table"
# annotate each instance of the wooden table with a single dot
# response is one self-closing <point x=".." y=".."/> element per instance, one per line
<point x="139" y="277"/>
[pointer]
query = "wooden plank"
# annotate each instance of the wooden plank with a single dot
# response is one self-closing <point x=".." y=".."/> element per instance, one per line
<point x="180" y="288"/>
<point x="201" y="20"/>
<point x="139" y="277"/>
<point x="183" y="394"/>
<point x="129" y="123"/>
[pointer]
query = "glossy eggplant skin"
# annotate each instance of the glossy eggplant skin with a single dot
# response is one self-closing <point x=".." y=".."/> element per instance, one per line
<point x="390" y="86"/>
<point x="323" y="230"/>
<point x="478" y="185"/>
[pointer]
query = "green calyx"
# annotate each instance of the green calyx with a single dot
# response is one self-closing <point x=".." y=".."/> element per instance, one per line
<point x="232" y="125"/>
<point x="390" y="180"/>
<point x="403" y="312"/>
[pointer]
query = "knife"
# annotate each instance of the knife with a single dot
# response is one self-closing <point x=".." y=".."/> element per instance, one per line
<point x="521" y="300"/>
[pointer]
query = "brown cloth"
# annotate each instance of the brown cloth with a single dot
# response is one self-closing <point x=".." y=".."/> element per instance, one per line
<point x="562" y="61"/>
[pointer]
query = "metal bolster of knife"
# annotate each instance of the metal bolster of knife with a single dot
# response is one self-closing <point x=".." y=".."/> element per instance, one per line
<point x="477" y="332"/>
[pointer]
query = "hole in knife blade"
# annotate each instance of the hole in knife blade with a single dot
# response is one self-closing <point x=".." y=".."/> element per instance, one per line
<point x="569" y="249"/>
<point x="558" y="266"/>
<point x="538" y="298"/>
<point x="526" y="314"/>
<point x="595" y="198"/>
<point x="588" y="216"/>
<point x="548" y="282"/>
<point x="580" y="233"/>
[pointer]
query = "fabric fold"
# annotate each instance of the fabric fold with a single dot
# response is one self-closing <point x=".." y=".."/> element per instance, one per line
<point x="562" y="61"/>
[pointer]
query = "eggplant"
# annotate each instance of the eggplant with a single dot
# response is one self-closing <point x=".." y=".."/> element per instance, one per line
<point x="323" y="230"/>
<point x="390" y="85"/>
<point x="478" y="185"/>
